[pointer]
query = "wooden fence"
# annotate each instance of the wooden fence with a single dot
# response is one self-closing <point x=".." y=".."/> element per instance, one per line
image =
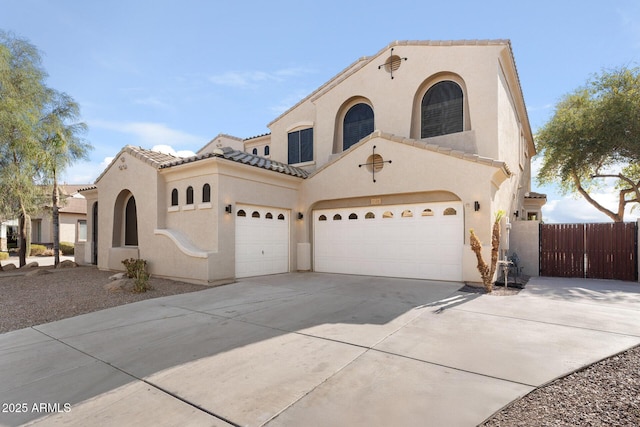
<point x="602" y="251"/>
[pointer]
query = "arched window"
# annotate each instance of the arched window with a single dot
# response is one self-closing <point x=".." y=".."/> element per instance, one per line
<point x="322" y="218"/>
<point x="131" y="223"/>
<point x="206" y="193"/>
<point x="358" y="123"/>
<point x="255" y="214"/>
<point x="450" y="211"/>
<point x="174" y="197"/>
<point x="442" y="110"/>
<point x="407" y="214"/>
<point x="281" y="217"/>
<point x="353" y="216"/>
<point x="427" y="212"/>
<point x="370" y="215"/>
<point x="387" y="214"/>
<point x="255" y="151"/>
<point x="189" y="195"/>
<point x="241" y="212"/>
<point x="267" y="150"/>
<point x="269" y="215"/>
<point x="337" y="217"/>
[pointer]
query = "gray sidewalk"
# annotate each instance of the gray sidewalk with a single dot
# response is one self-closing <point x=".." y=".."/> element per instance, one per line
<point x="313" y="349"/>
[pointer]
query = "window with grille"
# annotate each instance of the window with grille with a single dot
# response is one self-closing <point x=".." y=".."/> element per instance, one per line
<point x="442" y="110"/>
<point x="300" y="146"/>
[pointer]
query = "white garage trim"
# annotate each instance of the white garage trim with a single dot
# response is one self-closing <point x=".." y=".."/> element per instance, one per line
<point x="262" y="240"/>
<point x="413" y="240"/>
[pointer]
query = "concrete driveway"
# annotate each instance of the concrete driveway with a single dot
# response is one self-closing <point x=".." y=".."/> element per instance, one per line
<point x="312" y="349"/>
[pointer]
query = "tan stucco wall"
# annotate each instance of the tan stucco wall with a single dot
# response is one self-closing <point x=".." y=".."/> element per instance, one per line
<point x="415" y="174"/>
<point x="525" y="241"/>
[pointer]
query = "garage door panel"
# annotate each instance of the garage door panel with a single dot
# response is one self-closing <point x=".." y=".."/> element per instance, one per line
<point x="416" y="245"/>
<point x="262" y="241"/>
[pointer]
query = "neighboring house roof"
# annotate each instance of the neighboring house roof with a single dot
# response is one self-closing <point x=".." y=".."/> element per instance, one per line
<point x="163" y="161"/>
<point x="74" y="205"/>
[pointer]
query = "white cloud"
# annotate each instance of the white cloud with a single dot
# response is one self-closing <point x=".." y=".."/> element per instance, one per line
<point x="250" y="78"/>
<point x="148" y="133"/>
<point x="570" y="209"/>
<point x="167" y="149"/>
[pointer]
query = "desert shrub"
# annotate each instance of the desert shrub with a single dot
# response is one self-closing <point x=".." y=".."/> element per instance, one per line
<point x="4" y="255"/>
<point x="66" y="248"/>
<point x="37" y="250"/>
<point x="137" y="270"/>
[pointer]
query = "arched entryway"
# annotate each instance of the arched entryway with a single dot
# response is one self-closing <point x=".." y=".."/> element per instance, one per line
<point x="125" y="220"/>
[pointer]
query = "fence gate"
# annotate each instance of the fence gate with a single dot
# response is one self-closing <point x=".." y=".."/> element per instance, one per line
<point x="597" y="251"/>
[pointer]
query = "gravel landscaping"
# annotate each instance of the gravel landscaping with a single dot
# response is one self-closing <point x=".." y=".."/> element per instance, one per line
<point x="604" y="394"/>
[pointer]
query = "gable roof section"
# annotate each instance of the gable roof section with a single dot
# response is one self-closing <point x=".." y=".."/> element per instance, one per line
<point x="447" y="151"/>
<point x="244" y="158"/>
<point x="360" y="63"/>
<point x="163" y="161"/>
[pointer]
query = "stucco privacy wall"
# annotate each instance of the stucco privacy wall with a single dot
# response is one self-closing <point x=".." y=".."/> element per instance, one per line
<point x="525" y="242"/>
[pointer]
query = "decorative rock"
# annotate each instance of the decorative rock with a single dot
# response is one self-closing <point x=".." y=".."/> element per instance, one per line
<point x="9" y="267"/>
<point x="118" y="276"/>
<point x="67" y="263"/>
<point x="119" y="285"/>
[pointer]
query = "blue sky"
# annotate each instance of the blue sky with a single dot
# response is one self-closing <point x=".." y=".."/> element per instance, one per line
<point x="177" y="73"/>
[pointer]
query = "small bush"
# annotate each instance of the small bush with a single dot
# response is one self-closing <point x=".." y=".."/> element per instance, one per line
<point x="37" y="250"/>
<point x="4" y="255"/>
<point x="137" y="270"/>
<point x="66" y="248"/>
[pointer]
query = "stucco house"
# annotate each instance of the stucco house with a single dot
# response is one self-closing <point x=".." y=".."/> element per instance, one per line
<point x="72" y="220"/>
<point x="380" y="171"/>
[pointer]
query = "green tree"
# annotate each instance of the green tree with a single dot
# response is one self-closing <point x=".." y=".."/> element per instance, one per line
<point x="62" y="145"/>
<point x="23" y="95"/>
<point x="593" y="137"/>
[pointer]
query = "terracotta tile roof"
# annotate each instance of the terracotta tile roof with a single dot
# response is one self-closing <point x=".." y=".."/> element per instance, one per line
<point x="241" y="157"/>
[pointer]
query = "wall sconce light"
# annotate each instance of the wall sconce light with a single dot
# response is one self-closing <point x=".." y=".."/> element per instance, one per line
<point x="476" y="206"/>
<point x="228" y="209"/>
<point x="516" y="214"/>
<point x="300" y="216"/>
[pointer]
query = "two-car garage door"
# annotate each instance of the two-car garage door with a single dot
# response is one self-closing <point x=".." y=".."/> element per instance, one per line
<point x="413" y="241"/>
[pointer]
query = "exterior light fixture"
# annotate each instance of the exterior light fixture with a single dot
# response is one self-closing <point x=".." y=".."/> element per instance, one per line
<point x="476" y="206"/>
<point x="300" y="216"/>
<point x="228" y="209"/>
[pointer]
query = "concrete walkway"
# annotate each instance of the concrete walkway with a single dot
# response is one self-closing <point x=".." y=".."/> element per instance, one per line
<point x="312" y="350"/>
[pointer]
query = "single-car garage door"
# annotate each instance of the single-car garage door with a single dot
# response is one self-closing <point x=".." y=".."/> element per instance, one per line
<point x="262" y="240"/>
<point x="414" y="240"/>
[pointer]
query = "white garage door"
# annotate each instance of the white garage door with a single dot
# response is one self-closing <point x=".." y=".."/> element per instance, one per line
<point x="262" y="241"/>
<point x="414" y="241"/>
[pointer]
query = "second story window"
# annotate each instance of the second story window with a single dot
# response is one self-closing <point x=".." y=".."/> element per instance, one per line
<point x="300" y="146"/>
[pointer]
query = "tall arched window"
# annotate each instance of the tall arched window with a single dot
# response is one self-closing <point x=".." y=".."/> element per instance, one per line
<point x="131" y="223"/>
<point x="189" y="195"/>
<point x="174" y="197"/>
<point x="442" y="110"/>
<point x="358" y="123"/>
<point x="206" y="193"/>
